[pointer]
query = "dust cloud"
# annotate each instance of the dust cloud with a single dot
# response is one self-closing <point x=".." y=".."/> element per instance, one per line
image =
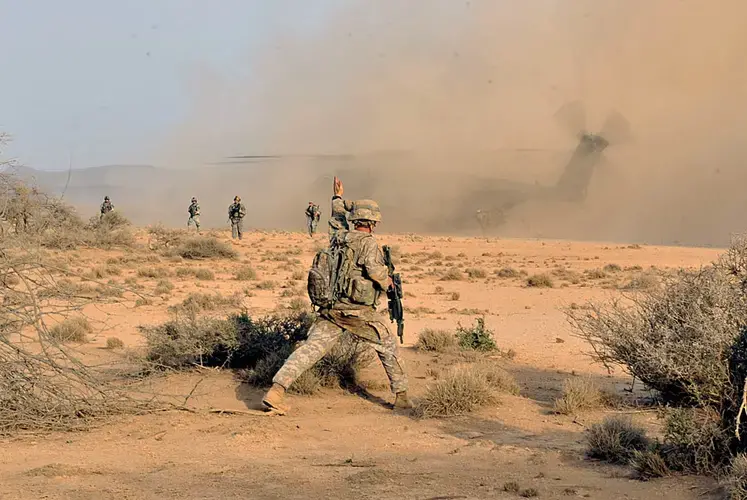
<point x="435" y="98"/>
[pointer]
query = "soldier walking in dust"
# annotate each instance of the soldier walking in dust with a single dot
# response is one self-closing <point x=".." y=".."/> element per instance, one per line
<point x="483" y="218"/>
<point x="367" y="277"/>
<point x="106" y="207"/>
<point x="312" y="217"/>
<point x="194" y="214"/>
<point x="236" y="213"/>
<point x="338" y="219"/>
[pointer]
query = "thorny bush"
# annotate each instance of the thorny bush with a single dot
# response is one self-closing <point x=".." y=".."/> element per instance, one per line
<point x="687" y="340"/>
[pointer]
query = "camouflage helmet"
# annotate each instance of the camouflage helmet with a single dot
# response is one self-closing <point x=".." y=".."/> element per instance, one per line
<point x="365" y="210"/>
<point x="194" y="198"/>
<point x="106" y="198"/>
<point x="237" y="198"/>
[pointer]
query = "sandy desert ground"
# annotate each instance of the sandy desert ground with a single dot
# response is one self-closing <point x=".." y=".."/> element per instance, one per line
<point x="341" y="445"/>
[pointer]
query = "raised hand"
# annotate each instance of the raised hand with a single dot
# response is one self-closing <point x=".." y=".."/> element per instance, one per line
<point x="337" y="187"/>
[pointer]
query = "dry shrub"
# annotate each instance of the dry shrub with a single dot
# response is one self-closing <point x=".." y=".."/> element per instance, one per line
<point x="184" y="342"/>
<point x="75" y="329"/>
<point x="114" y="343"/>
<point x="46" y="388"/>
<point x="580" y="394"/>
<point x="245" y="273"/>
<point x="736" y="478"/>
<point x="257" y="347"/>
<point x="695" y="441"/>
<point x="163" y="287"/>
<point x="507" y="272"/>
<point x="676" y="339"/>
<point x="297" y="276"/>
<point x="612" y="268"/>
<point x="163" y="238"/>
<point x="649" y="464"/>
<point x="595" y="274"/>
<point x="511" y="487"/>
<point x="642" y="281"/>
<point x="204" y="274"/>
<point x="687" y="340"/>
<point x="616" y="440"/>
<point x="197" y="302"/>
<point x="153" y="272"/>
<point x="204" y="247"/>
<point x="475" y="272"/>
<point x="540" y="281"/>
<point x="436" y="341"/>
<point x="109" y="221"/>
<point x="452" y="274"/>
<point x="183" y="272"/>
<point x="266" y="285"/>
<point x="298" y="304"/>
<point x="463" y="389"/>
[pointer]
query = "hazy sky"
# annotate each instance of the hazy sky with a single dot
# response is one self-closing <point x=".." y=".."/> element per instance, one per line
<point x="108" y="79"/>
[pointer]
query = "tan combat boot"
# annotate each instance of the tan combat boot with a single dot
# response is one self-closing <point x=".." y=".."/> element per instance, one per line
<point x="274" y="399"/>
<point x="402" y="402"/>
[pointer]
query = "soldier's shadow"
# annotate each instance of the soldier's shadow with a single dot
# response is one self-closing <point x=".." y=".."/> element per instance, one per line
<point x="365" y="394"/>
<point x="250" y="396"/>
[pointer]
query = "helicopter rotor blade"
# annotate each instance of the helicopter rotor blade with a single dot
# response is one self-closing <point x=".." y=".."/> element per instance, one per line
<point x="616" y="129"/>
<point x="572" y="117"/>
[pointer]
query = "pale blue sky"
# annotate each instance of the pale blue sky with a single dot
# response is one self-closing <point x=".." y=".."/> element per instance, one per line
<point x="108" y="79"/>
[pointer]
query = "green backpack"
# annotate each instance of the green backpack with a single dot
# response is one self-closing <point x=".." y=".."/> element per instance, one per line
<point x="329" y="276"/>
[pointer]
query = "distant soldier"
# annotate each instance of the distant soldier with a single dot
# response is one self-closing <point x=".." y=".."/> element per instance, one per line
<point x="338" y="220"/>
<point x="312" y="217"/>
<point x="106" y="207"/>
<point x="354" y="312"/>
<point x="194" y="214"/>
<point x="236" y="213"/>
<point x="483" y="218"/>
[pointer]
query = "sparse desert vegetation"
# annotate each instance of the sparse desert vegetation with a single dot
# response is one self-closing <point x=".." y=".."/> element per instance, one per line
<point x="200" y="324"/>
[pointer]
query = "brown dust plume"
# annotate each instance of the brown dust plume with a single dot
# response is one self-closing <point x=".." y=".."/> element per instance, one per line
<point x="434" y="98"/>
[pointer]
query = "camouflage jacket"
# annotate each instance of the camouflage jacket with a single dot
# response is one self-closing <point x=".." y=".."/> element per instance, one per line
<point x="368" y="276"/>
<point x="313" y="212"/>
<point x="106" y="207"/>
<point x="194" y="210"/>
<point x="236" y="211"/>
<point x="340" y="209"/>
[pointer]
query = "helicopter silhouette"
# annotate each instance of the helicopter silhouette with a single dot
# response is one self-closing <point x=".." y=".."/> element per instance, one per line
<point x="480" y="200"/>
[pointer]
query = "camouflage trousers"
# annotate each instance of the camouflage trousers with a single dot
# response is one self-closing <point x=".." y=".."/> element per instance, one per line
<point x="323" y="335"/>
<point x="311" y="225"/>
<point x="195" y="220"/>
<point x="237" y="228"/>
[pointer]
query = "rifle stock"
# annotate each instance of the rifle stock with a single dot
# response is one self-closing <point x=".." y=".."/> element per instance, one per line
<point x="394" y="296"/>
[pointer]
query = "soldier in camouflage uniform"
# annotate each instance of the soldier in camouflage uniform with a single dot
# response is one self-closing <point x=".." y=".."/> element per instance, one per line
<point x="194" y="214"/>
<point x="340" y="209"/>
<point x="483" y="218"/>
<point x="236" y="213"/>
<point x="106" y="207"/>
<point x="312" y="217"/>
<point x="356" y="314"/>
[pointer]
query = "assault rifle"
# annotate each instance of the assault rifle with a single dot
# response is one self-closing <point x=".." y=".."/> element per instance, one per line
<point x="394" y="295"/>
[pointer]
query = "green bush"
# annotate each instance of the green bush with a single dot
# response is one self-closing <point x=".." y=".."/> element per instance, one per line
<point x="478" y="337"/>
